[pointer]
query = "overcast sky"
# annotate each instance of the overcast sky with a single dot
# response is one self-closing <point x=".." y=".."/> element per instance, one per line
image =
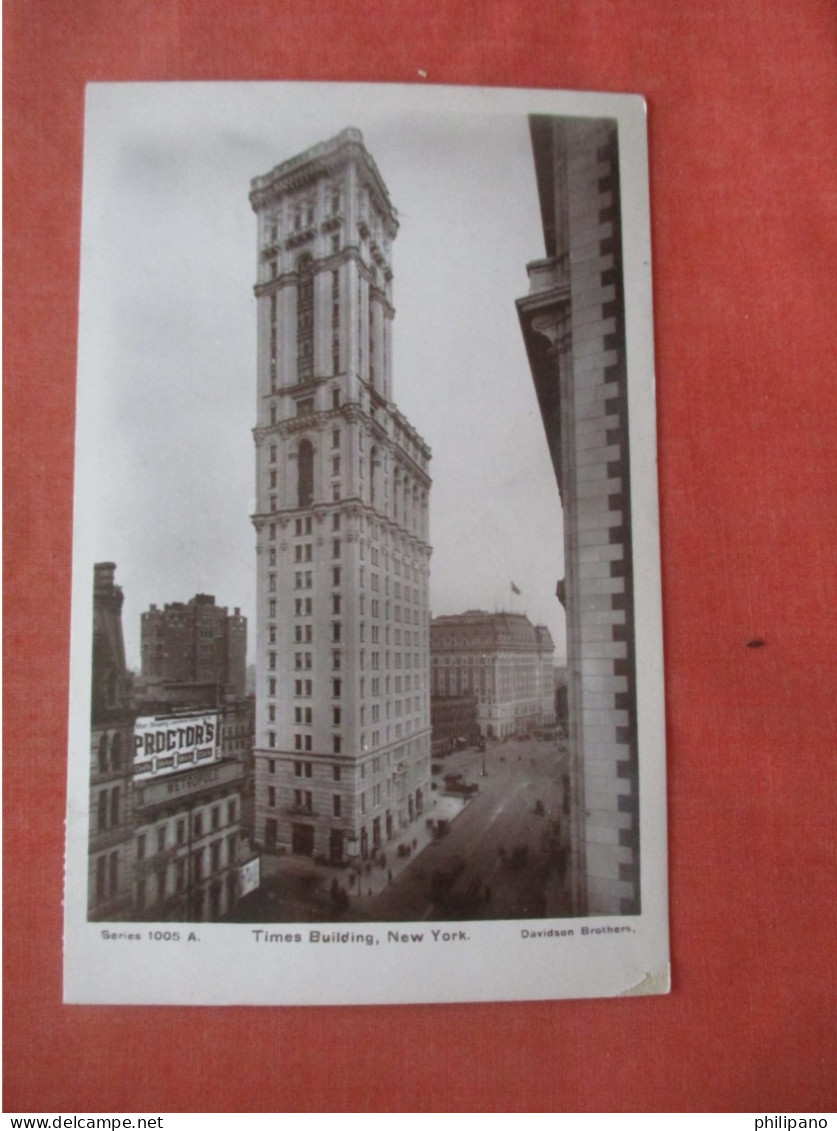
<point x="167" y="356"/>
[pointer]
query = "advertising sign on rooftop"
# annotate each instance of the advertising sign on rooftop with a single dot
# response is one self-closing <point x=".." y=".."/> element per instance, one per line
<point x="169" y="744"/>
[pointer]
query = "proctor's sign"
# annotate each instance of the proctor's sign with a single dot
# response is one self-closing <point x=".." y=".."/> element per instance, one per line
<point x="168" y="745"/>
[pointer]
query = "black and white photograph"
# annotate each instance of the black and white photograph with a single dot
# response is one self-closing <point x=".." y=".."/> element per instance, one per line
<point x="367" y="674"/>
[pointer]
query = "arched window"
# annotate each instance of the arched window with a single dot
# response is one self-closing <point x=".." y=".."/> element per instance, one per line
<point x="305" y="474"/>
<point x="103" y="754"/>
<point x="305" y="319"/>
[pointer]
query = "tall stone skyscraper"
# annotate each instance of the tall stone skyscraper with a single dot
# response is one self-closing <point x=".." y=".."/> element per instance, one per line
<point x="343" y="708"/>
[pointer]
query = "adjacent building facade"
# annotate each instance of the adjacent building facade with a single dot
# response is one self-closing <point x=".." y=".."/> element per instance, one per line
<point x="195" y="641"/>
<point x="342" y="758"/>
<point x="503" y="660"/>
<point x="110" y="845"/>
<point x="167" y="775"/>
<point x="573" y="325"/>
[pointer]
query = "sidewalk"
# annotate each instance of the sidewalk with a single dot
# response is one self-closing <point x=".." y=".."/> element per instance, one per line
<point x="317" y="880"/>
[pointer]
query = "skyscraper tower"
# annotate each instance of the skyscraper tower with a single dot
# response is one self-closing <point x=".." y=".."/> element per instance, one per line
<point x="343" y="698"/>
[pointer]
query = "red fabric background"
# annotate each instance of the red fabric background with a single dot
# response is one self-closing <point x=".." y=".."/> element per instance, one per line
<point x="742" y="101"/>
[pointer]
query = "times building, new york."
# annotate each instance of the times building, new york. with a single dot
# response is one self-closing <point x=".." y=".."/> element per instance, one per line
<point x="342" y="756"/>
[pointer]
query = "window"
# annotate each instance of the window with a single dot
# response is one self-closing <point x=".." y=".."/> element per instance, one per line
<point x="335" y="773"/>
<point x="161" y="839"/>
<point x="231" y="812"/>
<point x="101" y="877"/>
<point x="335" y="716"/>
<point x="336" y="688"/>
<point x="141" y="846"/>
<point x="335" y="630"/>
<point x="305" y="473"/>
<point x="335" y="521"/>
<point x="335" y="805"/>
<point x="335" y="575"/>
<point x="335" y="548"/>
<point x="271" y="797"/>
<point x="305" y="319"/>
<point x="197" y="825"/>
<point x="271" y="607"/>
<point x="114" y="806"/>
<point x="335" y="438"/>
<point x="180" y="834"/>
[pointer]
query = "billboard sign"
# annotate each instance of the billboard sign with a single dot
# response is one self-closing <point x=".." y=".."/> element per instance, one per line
<point x="249" y="876"/>
<point x="170" y="744"/>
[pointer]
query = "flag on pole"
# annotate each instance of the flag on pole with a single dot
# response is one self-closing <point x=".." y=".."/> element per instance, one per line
<point x="514" y="589"/>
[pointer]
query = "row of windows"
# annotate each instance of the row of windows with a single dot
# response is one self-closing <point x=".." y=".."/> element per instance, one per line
<point x="377" y="765"/>
<point x="203" y="822"/>
<point x="173" y="880"/>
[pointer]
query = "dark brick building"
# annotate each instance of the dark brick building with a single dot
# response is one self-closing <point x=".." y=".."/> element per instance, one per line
<point x="195" y="642"/>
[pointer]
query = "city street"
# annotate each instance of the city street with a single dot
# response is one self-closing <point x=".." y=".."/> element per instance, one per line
<point x="503" y="855"/>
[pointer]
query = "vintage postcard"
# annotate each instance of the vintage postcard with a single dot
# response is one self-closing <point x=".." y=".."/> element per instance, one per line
<point x="367" y="675"/>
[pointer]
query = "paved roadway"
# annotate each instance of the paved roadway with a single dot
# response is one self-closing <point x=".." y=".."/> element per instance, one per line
<point x="483" y="835"/>
<point x="504" y="816"/>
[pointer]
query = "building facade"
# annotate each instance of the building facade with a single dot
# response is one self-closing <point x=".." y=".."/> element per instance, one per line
<point x="195" y="641"/>
<point x="187" y="845"/>
<point x="343" y="711"/>
<point x="502" y="659"/>
<point x="192" y="745"/>
<point x="573" y="325"/>
<point x="110" y="842"/>
<point x="453" y="719"/>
